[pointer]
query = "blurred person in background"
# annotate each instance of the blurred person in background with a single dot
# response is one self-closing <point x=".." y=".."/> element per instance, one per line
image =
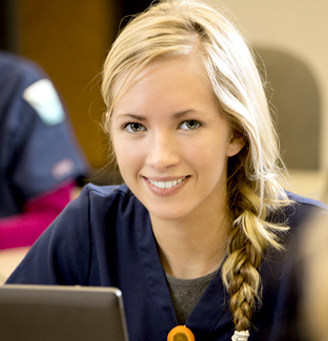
<point x="311" y="266"/>
<point x="40" y="160"/>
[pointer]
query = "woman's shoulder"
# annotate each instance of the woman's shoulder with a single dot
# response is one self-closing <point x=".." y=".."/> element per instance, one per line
<point x="108" y="193"/>
<point x="106" y="199"/>
<point x="106" y="190"/>
<point x="302" y="202"/>
<point x="300" y="211"/>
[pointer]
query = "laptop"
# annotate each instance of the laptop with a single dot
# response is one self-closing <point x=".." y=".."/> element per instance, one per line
<point x="60" y="313"/>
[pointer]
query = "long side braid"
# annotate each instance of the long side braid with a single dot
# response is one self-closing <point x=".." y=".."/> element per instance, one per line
<point x="244" y="279"/>
<point x="251" y="234"/>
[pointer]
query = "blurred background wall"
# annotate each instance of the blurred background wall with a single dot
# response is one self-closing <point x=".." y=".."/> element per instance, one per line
<point x="293" y="36"/>
<point x="70" y="39"/>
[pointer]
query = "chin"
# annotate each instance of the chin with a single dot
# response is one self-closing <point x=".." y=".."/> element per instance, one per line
<point x="168" y="214"/>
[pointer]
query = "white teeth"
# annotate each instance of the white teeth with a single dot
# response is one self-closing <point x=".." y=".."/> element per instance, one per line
<point x="166" y="184"/>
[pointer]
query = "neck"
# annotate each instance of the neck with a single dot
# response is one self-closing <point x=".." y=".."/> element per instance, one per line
<point x="194" y="246"/>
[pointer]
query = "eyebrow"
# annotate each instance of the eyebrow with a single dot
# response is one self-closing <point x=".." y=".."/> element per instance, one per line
<point x="135" y="116"/>
<point x="183" y="113"/>
<point x="143" y="118"/>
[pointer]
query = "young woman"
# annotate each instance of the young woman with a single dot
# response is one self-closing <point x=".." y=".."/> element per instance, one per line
<point x="195" y="237"/>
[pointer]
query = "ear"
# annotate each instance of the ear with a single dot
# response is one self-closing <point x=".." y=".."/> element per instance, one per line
<point x="236" y="143"/>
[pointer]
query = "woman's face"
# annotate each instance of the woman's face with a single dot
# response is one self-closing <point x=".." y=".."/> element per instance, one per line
<point x="170" y="140"/>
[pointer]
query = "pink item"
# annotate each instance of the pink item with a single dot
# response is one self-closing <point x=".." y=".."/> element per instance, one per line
<point x="25" y="228"/>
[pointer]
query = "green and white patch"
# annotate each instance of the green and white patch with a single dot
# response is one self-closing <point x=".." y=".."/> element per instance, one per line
<point x="43" y="97"/>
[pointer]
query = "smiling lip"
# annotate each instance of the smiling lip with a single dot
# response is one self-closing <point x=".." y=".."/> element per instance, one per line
<point x="167" y="187"/>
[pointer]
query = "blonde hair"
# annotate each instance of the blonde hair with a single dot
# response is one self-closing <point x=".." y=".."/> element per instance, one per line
<point x="171" y="28"/>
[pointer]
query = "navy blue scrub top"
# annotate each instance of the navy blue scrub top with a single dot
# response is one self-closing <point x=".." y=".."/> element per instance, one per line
<point x="105" y="238"/>
<point x="38" y="150"/>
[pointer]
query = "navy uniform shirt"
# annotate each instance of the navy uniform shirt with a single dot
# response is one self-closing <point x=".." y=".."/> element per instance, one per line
<point x="38" y="150"/>
<point x="105" y="238"/>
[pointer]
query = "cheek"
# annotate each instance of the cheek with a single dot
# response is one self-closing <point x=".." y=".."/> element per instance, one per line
<point x="208" y="155"/>
<point x="128" y="155"/>
<point x="212" y="149"/>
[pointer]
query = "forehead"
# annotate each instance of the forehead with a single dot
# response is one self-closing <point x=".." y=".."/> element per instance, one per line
<point x="180" y="74"/>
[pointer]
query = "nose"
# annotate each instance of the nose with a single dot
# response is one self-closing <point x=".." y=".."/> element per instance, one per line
<point x="162" y="151"/>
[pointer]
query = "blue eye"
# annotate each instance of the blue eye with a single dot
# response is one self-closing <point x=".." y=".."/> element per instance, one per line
<point x="190" y="125"/>
<point x="134" y="127"/>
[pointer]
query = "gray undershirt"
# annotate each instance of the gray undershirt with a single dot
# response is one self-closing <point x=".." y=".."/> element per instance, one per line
<point x="185" y="294"/>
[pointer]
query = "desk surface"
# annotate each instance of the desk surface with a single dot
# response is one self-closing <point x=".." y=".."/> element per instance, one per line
<point x="9" y="259"/>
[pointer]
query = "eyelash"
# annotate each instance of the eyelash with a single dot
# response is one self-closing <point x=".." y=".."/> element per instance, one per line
<point x="140" y="127"/>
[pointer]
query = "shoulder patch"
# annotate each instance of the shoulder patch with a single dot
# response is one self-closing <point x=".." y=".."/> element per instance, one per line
<point x="43" y="97"/>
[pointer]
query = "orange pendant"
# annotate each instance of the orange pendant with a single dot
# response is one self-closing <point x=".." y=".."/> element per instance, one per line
<point x="180" y="333"/>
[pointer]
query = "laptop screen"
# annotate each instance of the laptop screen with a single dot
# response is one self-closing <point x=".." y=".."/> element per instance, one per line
<point x="53" y="313"/>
